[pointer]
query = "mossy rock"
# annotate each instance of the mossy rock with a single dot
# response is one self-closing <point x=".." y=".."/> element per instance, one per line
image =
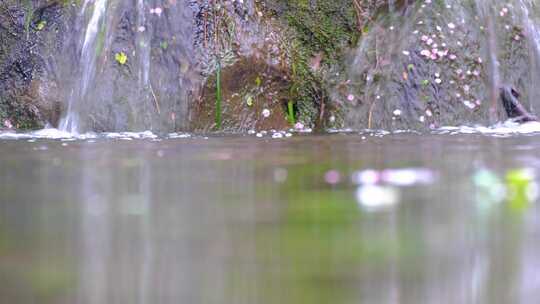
<point x="321" y="34"/>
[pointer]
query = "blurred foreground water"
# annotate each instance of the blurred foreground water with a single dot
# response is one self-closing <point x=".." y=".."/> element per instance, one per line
<point x="370" y="217"/>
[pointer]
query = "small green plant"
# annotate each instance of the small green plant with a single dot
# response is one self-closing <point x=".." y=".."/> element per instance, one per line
<point x="249" y="100"/>
<point x="290" y="112"/>
<point x="41" y="25"/>
<point x="218" y="95"/>
<point x="121" y="58"/>
<point x="28" y="16"/>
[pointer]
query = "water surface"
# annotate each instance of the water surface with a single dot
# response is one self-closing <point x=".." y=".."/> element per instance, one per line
<point x="337" y="218"/>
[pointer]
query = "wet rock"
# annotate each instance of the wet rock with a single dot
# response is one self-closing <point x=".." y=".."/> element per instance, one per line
<point x="432" y="63"/>
<point x="513" y="108"/>
<point x="25" y="29"/>
<point x="254" y="96"/>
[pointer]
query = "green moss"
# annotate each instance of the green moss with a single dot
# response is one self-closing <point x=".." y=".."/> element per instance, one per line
<point x="322" y="26"/>
<point x="19" y="114"/>
<point x="319" y="29"/>
<point x="306" y="87"/>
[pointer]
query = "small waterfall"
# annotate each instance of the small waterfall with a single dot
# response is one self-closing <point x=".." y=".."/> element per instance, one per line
<point x="435" y="63"/>
<point x="70" y="123"/>
<point x="149" y="87"/>
<point x="143" y="44"/>
<point x="531" y="23"/>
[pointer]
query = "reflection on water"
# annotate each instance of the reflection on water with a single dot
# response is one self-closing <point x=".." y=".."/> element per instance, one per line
<point x="308" y="219"/>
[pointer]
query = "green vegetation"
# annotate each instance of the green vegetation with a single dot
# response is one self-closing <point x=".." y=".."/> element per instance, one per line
<point x="320" y="32"/>
<point x="306" y="86"/>
<point x="19" y="114"/>
<point x="164" y="45"/>
<point x="218" y="95"/>
<point x="28" y="16"/>
<point x="41" y="25"/>
<point x="290" y="112"/>
<point x="322" y="26"/>
<point x="121" y="58"/>
<point x="249" y="100"/>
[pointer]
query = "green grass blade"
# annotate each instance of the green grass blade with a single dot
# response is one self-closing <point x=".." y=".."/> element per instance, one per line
<point x="218" y="96"/>
<point x="290" y="113"/>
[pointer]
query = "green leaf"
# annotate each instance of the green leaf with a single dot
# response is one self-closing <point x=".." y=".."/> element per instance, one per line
<point x="218" y="95"/>
<point x="365" y="30"/>
<point x="41" y="25"/>
<point x="290" y="112"/>
<point x="258" y="81"/>
<point x="249" y="101"/>
<point x="121" y="58"/>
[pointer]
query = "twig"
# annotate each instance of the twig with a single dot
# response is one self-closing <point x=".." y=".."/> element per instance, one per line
<point x="359" y="14"/>
<point x="155" y="99"/>
<point x="321" y="112"/>
<point x="370" y="115"/>
<point x="205" y="26"/>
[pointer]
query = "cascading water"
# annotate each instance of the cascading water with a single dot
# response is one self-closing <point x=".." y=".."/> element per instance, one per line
<point x="128" y="65"/>
<point x="87" y="64"/>
<point x="437" y="63"/>
<point x="531" y="23"/>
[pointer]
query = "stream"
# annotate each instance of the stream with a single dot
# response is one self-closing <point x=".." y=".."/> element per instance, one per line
<point x="449" y="216"/>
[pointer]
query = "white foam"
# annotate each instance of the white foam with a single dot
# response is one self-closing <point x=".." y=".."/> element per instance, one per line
<point x="131" y="135"/>
<point x="506" y="128"/>
<point x="52" y="133"/>
<point x="179" y="135"/>
<point x="48" y="133"/>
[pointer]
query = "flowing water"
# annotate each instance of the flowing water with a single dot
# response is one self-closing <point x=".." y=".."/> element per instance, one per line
<point x="87" y="65"/>
<point x="126" y="65"/>
<point x="372" y="217"/>
<point x="435" y="63"/>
